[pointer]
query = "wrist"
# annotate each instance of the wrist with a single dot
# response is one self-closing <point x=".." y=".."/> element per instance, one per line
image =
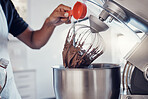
<point x="48" y="26"/>
<point x="49" y="23"/>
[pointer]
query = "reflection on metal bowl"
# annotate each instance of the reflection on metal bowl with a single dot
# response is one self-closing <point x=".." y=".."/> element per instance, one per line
<point x="100" y="81"/>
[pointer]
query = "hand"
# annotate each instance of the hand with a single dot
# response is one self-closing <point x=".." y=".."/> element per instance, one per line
<point x="59" y="16"/>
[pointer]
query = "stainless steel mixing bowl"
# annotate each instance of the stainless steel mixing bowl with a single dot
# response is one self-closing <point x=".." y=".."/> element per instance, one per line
<point x="100" y="81"/>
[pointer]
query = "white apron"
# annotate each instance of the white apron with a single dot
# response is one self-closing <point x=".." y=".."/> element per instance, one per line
<point x="10" y="90"/>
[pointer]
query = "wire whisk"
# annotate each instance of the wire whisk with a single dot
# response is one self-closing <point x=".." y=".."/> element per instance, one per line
<point x="82" y="46"/>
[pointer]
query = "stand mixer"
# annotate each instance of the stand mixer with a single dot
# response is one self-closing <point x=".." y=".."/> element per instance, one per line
<point x="133" y="12"/>
<point x="101" y="81"/>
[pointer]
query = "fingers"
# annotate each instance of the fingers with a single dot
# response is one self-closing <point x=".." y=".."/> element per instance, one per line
<point x="68" y="22"/>
<point x="65" y="20"/>
<point x="64" y="8"/>
<point x="62" y="13"/>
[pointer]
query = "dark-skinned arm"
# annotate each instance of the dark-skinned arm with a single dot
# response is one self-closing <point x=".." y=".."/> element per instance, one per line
<point x="38" y="38"/>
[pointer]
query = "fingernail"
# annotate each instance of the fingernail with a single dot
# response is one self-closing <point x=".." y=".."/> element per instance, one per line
<point x="66" y="14"/>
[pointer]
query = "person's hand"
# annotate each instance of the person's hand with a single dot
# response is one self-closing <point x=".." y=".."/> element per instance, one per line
<point x="59" y="16"/>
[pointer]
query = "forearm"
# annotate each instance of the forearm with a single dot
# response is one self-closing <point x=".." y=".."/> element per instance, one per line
<point x="40" y="37"/>
<point x="37" y="39"/>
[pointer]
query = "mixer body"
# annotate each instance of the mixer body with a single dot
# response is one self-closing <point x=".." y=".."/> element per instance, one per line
<point x="133" y="12"/>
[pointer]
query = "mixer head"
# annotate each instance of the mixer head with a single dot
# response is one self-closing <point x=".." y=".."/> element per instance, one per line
<point x="110" y="11"/>
<point x="97" y="24"/>
<point x="113" y="10"/>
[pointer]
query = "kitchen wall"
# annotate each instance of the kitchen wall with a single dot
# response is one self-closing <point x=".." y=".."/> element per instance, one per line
<point x="42" y="60"/>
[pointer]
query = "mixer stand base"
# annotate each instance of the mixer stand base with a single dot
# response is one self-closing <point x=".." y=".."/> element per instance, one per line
<point x="134" y="96"/>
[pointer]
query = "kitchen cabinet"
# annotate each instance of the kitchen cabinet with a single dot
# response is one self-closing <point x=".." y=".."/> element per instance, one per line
<point x="25" y="82"/>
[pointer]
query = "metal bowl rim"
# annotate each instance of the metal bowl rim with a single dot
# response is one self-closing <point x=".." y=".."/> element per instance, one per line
<point x="61" y="67"/>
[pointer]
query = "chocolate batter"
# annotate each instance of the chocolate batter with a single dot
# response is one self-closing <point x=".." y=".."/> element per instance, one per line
<point x="76" y="56"/>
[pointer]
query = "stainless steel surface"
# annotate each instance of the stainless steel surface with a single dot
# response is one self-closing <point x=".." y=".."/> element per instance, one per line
<point x="100" y="82"/>
<point x="135" y="10"/>
<point x="138" y="56"/>
<point x="103" y="15"/>
<point x="134" y="96"/>
<point x="115" y="10"/>
<point x="97" y="25"/>
<point x="137" y="7"/>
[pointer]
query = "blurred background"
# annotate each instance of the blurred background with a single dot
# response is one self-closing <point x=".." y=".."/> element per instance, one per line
<point x="33" y="68"/>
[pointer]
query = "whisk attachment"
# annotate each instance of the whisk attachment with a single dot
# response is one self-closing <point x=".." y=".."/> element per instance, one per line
<point x="82" y="47"/>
